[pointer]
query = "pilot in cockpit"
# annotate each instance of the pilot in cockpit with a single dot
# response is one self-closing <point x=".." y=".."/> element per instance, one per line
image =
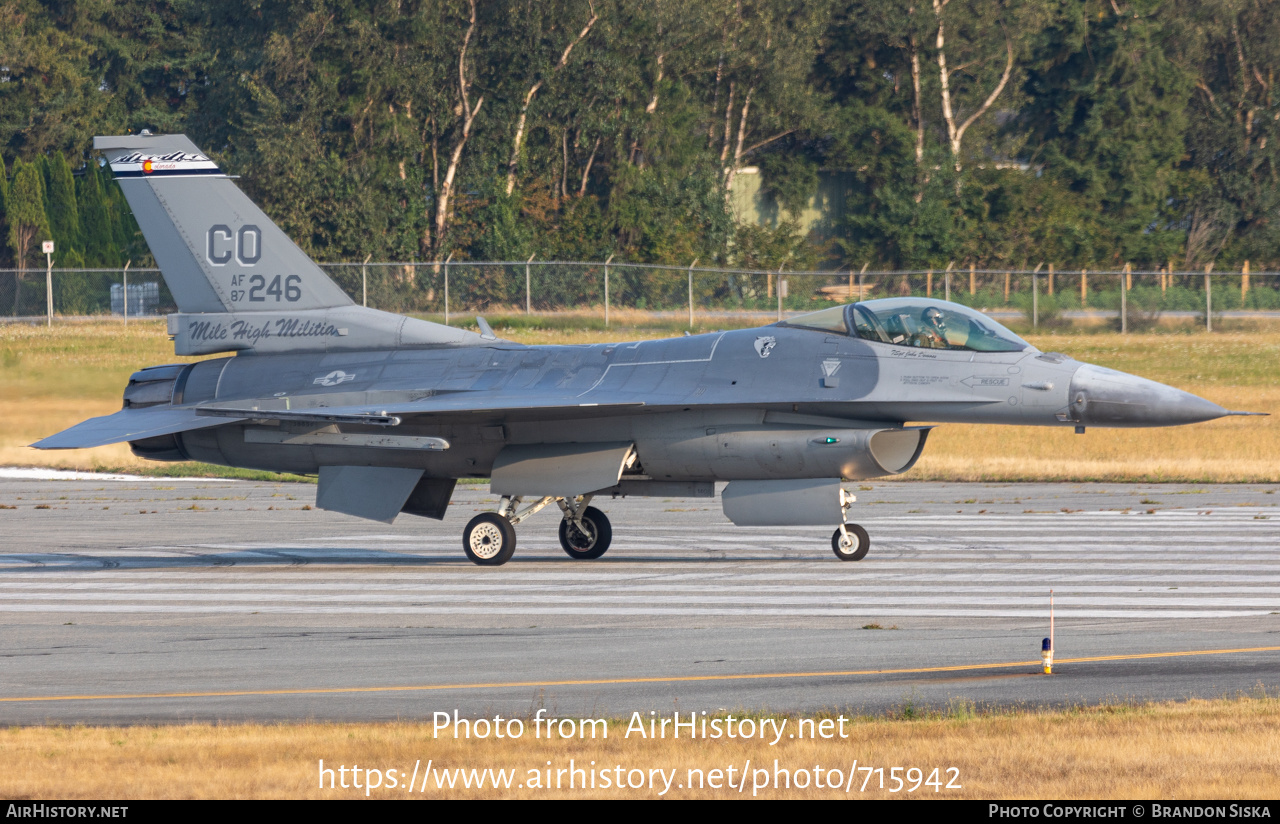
<point x="933" y="329"/>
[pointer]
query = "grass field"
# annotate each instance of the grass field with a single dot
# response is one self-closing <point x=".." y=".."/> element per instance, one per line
<point x="1223" y="749"/>
<point x="53" y="378"/>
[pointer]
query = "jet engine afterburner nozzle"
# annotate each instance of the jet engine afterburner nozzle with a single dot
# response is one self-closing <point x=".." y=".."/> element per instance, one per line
<point x="1105" y="397"/>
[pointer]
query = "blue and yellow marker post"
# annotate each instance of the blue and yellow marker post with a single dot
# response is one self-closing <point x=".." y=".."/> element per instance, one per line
<point x="1046" y="646"/>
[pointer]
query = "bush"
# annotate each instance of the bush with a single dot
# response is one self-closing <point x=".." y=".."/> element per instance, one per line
<point x="1145" y="303"/>
<point x="1050" y="310"/>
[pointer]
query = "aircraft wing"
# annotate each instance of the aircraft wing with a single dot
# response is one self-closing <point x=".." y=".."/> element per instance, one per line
<point x="388" y="413"/>
<point x="138" y="424"/>
<point x="128" y="425"/>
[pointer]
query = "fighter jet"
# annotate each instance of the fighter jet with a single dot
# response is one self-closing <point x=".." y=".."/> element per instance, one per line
<point x="389" y="411"/>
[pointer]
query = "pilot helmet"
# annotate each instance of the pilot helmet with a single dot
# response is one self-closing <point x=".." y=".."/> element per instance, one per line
<point x="934" y="317"/>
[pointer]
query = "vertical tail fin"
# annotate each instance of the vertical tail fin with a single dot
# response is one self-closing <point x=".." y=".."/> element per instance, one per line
<point x="218" y="252"/>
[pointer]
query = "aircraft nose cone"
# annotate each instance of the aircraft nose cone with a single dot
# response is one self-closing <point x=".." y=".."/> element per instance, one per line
<point x="1105" y="397"/>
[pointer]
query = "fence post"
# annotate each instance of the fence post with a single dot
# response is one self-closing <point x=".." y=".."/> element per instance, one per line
<point x="928" y="283"/>
<point x="973" y="281"/>
<point x="528" y="289"/>
<point x="1244" y="283"/>
<point x="1208" y="298"/>
<point x="125" y="287"/>
<point x="1035" y="296"/>
<point x="606" y="291"/>
<point x="782" y="292"/>
<point x="364" y="280"/>
<point x="862" y="290"/>
<point x="950" y="266"/>
<point x="1124" y="300"/>
<point x="1050" y="292"/>
<point x="691" y="265"/>
<point x="1084" y="288"/>
<point x="48" y="279"/>
<point x="446" y="288"/>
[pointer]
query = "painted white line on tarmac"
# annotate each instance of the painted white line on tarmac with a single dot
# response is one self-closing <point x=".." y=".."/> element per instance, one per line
<point x="17" y="473"/>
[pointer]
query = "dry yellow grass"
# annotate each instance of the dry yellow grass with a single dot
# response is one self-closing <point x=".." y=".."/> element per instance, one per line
<point x="53" y="378"/>
<point x="1225" y="749"/>
<point x="1225" y="451"/>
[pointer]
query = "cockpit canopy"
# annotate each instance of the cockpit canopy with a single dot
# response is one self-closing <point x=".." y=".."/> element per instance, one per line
<point x="919" y="322"/>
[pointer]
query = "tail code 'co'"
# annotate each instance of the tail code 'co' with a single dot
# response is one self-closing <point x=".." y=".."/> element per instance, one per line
<point x="247" y="246"/>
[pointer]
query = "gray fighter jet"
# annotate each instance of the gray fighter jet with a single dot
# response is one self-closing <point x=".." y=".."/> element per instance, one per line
<point x="389" y="411"/>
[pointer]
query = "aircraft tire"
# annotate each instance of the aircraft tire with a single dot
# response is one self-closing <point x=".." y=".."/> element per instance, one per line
<point x="855" y="547"/>
<point x="489" y="539"/>
<point x="586" y="546"/>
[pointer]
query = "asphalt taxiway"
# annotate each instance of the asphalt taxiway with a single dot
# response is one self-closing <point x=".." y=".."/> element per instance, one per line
<point x="161" y="600"/>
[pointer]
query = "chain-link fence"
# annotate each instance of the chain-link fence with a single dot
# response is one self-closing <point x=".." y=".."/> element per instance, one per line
<point x="42" y="294"/>
<point x="456" y="291"/>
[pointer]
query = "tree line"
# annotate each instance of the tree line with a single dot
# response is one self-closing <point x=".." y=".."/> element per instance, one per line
<point x="997" y="133"/>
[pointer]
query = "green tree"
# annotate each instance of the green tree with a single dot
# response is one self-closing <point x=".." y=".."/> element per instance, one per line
<point x="1233" y="137"/>
<point x="51" y="99"/>
<point x="1106" y="112"/>
<point x="97" y="235"/>
<point x="28" y="223"/>
<point x="60" y="204"/>
<point x="4" y="195"/>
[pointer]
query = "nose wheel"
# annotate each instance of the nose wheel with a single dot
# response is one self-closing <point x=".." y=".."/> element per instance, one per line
<point x="850" y="542"/>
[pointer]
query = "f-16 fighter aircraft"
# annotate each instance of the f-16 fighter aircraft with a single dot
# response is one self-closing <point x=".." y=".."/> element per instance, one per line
<point x="389" y="411"/>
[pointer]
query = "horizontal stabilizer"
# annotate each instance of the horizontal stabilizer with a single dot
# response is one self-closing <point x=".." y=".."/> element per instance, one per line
<point x="128" y="425"/>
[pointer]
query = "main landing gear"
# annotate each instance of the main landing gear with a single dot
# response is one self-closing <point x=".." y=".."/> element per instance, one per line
<point x="850" y="541"/>
<point x="490" y="538"/>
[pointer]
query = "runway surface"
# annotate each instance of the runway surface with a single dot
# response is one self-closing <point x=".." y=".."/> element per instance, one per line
<point x="156" y="600"/>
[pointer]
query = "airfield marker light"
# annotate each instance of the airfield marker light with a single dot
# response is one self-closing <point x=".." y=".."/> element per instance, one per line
<point x="1046" y="646"/>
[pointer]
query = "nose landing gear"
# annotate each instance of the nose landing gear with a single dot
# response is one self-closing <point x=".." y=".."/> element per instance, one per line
<point x="850" y="541"/>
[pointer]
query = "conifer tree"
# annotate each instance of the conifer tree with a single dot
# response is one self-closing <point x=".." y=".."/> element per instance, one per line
<point x="60" y="204"/>
<point x="97" y="243"/>
<point x="28" y="224"/>
<point x="4" y="195"/>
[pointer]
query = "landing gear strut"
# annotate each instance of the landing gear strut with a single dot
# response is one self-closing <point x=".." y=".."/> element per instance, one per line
<point x="490" y="538"/>
<point x="850" y="541"/>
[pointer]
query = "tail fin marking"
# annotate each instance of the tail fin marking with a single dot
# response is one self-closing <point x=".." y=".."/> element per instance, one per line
<point x="218" y="251"/>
